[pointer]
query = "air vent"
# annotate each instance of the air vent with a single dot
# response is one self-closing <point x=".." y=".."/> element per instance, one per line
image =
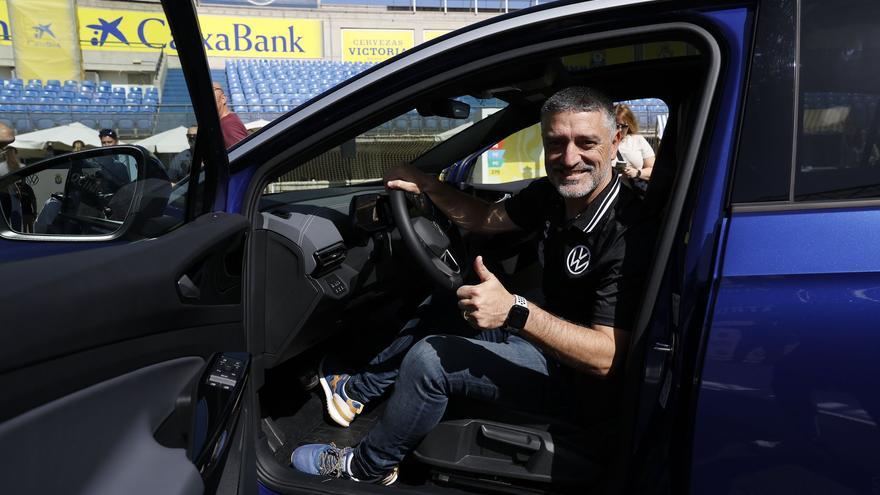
<point x="329" y="258"/>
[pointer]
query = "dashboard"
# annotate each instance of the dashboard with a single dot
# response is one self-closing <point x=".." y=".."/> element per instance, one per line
<point x="317" y="258"/>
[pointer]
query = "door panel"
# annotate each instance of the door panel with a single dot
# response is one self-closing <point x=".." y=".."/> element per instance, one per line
<point x="109" y="310"/>
<point x="98" y="348"/>
<point x="100" y="439"/>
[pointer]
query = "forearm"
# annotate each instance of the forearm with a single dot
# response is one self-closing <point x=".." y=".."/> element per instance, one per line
<point x="468" y="212"/>
<point x="587" y="349"/>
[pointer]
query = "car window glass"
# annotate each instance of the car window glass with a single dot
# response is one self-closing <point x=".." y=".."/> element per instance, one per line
<point x="625" y="54"/>
<point x="89" y="75"/>
<point x="521" y="155"/>
<point x="838" y="154"/>
<point x="764" y="159"/>
<point x="365" y="158"/>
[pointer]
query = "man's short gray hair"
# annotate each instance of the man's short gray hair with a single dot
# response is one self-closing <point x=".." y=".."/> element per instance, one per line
<point x="580" y="99"/>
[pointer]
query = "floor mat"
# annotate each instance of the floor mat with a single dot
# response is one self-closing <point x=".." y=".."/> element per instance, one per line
<point x="312" y="424"/>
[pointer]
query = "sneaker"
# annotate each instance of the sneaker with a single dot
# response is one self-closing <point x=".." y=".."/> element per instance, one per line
<point x="323" y="459"/>
<point x="340" y="406"/>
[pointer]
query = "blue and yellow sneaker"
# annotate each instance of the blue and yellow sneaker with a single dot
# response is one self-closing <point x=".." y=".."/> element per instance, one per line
<point x="340" y="406"/>
<point x="323" y="459"/>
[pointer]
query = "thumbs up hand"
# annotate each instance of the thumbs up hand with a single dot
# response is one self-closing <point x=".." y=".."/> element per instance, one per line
<point x="485" y="305"/>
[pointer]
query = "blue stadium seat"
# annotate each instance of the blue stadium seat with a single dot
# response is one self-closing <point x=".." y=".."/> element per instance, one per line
<point x="126" y="125"/>
<point x="23" y="125"/>
<point x="88" y="122"/>
<point x="45" y="123"/>
<point x="53" y="83"/>
<point x="144" y="125"/>
<point x="105" y="123"/>
<point x="240" y="108"/>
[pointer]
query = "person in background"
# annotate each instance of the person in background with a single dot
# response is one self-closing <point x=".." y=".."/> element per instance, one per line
<point x="180" y="165"/>
<point x="10" y="161"/>
<point x="18" y="201"/>
<point x="78" y="145"/>
<point x="635" y="157"/>
<point x="232" y="127"/>
<point x="119" y="170"/>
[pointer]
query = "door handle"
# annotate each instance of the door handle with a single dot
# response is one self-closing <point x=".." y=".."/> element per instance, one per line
<point x="187" y="288"/>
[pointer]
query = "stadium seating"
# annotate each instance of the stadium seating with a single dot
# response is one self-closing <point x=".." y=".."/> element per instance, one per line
<point x="273" y="86"/>
<point x="51" y="103"/>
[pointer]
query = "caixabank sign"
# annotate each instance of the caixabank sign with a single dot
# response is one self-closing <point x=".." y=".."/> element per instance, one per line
<point x="258" y="37"/>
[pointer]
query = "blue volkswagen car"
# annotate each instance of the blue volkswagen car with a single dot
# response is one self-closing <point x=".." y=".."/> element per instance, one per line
<point x="164" y="340"/>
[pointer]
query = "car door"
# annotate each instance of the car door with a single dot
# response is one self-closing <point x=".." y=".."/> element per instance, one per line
<point x="791" y="346"/>
<point x="124" y="365"/>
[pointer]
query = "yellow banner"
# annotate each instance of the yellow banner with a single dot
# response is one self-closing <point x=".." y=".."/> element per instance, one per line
<point x="374" y="45"/>
<point x="429" y="34"/>
<point x="519" y="156"/>
<point x="258" y="37"/>
<point x="45" y="44"/>
<point x="5" y="31"/>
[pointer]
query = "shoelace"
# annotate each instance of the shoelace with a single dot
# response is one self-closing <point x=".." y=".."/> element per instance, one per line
<point x="332" y="462"/>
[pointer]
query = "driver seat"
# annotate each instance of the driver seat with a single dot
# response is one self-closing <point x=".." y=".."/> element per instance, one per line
<point x="480" y="446"/>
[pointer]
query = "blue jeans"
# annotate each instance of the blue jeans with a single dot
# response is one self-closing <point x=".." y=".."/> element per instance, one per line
<point x="427" y="369"/>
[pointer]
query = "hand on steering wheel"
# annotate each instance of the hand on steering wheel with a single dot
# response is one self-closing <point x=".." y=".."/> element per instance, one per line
<point x="424" y="237"/>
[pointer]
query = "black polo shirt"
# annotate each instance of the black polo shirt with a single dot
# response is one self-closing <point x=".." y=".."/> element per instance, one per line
<point x="595" y="264"/>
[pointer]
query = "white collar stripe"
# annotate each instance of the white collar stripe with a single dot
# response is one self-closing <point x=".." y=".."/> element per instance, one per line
<point x="606" y="204"/>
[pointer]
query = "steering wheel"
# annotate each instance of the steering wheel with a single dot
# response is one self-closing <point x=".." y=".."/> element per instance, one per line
<point x="428" y="242"/>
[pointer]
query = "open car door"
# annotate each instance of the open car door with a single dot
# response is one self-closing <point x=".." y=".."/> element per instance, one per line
<point x="124" y="367"/>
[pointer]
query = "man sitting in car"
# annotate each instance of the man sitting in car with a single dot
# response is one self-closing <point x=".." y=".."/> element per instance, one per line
<point x="513" y="352"/>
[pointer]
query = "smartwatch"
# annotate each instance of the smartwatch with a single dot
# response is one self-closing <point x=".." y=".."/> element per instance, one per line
<point x="519" y="313"/>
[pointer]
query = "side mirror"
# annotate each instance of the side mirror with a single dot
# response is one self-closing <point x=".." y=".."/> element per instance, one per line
<point x="102" y="193"/>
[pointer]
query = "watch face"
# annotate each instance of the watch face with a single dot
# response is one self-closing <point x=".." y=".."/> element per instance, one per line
<point x="517" y="317"/>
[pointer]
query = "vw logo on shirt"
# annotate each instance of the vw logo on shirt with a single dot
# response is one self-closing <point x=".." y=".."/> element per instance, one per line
<point x="578" y="259"/>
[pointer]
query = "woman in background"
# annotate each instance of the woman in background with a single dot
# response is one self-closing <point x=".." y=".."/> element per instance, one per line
<point x="635" y="157"/>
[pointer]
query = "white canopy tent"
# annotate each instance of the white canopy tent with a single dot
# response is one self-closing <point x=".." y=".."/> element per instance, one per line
<point x="61" y="138"/>
<point x="257" y="124"/>
<point x="170" y="141"/>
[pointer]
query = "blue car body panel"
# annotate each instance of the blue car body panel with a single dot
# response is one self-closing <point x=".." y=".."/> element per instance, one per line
<point x="789" y="385"/>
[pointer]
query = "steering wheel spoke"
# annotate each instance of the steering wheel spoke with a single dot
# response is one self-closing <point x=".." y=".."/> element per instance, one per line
<point x="428" y="242"/>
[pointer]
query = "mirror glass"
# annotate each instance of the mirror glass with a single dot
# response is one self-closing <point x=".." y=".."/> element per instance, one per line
<point x="78" y="196"/>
